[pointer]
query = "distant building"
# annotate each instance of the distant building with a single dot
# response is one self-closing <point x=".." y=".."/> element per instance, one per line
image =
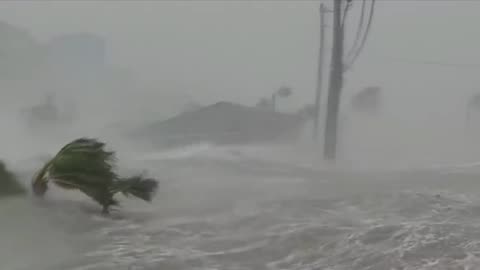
<point x="223" y="123"/>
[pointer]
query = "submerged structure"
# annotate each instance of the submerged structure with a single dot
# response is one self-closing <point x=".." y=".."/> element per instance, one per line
<point x="223" y="123"/>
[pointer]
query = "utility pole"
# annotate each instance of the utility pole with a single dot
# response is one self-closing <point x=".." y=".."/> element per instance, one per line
<point x="318" y="93"/>
<point x="335" y="84"/>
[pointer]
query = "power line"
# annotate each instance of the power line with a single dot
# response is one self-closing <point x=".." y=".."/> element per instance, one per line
<point x="433" y="63"/>
<point x="348" y="4"/>
<point x="365" y="36"/>
<point x="359" y="29"/>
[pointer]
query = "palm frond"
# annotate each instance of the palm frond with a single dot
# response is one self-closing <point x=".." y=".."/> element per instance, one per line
<point x="85" y="165"/>
<point x="102" y="196"/>
<point x="99" y="193"/>
<point x="83" y="157"/>
<point x="39" y="182"/>
<point x="138" y="186"/>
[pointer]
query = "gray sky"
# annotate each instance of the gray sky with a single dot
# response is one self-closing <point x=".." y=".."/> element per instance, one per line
<point x="242" y="50"/>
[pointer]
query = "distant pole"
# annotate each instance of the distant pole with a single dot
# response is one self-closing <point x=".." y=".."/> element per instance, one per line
<point x="274" y="101"/>
<point x="318" y="92"/>
<point x="335" y="84"/>
<point x="467" y="119"/>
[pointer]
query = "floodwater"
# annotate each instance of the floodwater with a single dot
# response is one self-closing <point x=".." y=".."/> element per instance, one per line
<point x="223" y="209"/>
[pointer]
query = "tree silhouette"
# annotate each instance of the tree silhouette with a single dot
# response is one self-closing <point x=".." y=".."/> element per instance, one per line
<point x="368" y="100"/>
<point x="282" y="92"/>
<point x="9" y="185"/>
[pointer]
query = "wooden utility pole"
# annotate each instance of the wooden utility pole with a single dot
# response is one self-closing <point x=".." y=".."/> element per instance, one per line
<point x="335" y="84"/>
<point x="318" y="92"/>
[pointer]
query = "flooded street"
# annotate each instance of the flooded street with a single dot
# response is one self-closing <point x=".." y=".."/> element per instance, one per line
<point x="283" y="135"/>
<point x="219" y="213"/>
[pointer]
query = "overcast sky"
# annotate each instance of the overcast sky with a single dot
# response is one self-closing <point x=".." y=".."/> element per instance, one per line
<point x="241" y="50"/>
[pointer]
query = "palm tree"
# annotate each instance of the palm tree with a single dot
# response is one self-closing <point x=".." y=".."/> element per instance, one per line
<point x="9" y="185"/>
<point x="367" y="100"/>
<point x="85" y="165"/>
<point x="282" y="92"/>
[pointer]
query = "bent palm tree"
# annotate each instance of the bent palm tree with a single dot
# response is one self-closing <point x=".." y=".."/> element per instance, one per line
<point x="85" y="165"/>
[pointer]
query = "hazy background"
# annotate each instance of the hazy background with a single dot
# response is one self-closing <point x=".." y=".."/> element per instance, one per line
<point x="206" y="51"/>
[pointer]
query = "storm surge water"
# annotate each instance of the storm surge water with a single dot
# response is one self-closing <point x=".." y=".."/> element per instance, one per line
<point x="246" y="208"/>
<point x="403" y="193"/>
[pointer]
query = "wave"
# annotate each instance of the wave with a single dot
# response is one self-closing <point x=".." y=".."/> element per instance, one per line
<point x="204" y="150"/>
<point x="305" y="156"/>
<point x="405" y="230"/>
<point x="259" y="213"/>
